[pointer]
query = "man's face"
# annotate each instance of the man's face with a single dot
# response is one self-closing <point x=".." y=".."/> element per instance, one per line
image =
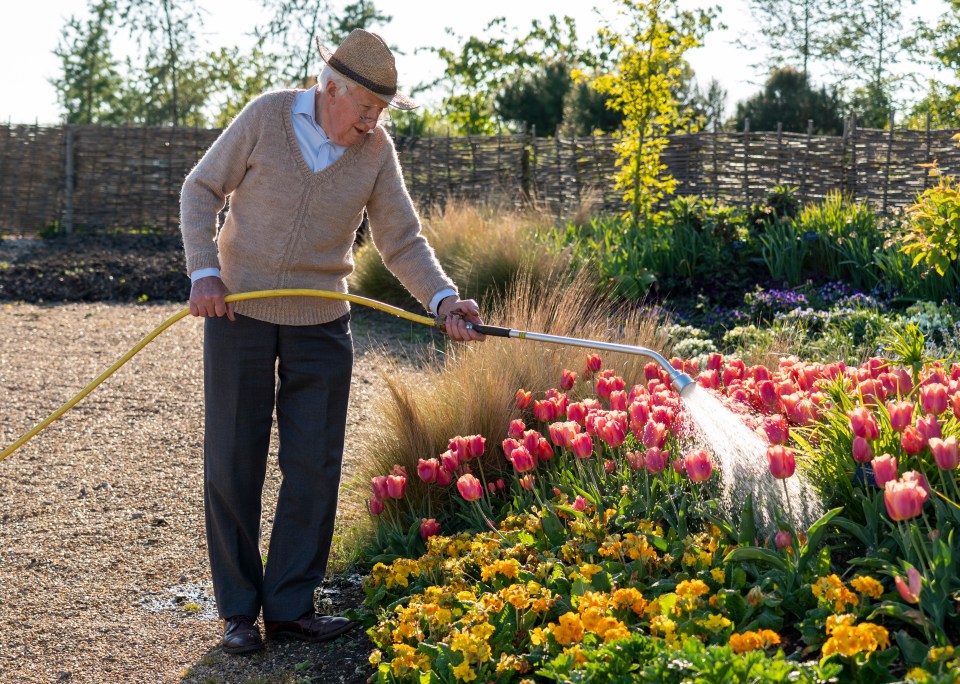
<point x="352" y="114"/>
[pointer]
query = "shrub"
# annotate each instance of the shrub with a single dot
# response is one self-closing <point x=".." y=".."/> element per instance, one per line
<point x="481" y="247"/>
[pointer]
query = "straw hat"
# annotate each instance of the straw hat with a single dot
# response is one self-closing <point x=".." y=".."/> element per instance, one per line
<point x="366" y="60"/>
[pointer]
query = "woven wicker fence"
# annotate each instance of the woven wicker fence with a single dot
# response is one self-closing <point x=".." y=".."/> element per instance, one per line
<point x="104" y="177"/>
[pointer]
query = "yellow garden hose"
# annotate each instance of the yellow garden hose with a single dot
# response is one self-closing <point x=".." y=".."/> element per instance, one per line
<point x="260" y="294"/>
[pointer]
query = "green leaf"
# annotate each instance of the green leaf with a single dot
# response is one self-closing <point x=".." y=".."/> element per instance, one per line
<point x="814" y="536"/>
<point x="756" y="554"/>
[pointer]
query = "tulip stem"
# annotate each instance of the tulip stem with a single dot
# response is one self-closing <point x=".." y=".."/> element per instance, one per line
<point x="786" y="495"/>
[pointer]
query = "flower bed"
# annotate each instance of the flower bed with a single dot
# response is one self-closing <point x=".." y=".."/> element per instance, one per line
<point x="592" y="543"/>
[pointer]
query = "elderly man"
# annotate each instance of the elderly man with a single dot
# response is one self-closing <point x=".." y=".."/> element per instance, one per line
<point x="299" y="168"/>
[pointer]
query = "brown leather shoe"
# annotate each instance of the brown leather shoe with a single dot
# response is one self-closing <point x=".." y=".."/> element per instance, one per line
<point x="311" y="627"/>
<point x="241" y="635"/>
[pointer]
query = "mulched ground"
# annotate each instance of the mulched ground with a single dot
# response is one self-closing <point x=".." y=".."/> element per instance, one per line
<point x="103" y="569"/>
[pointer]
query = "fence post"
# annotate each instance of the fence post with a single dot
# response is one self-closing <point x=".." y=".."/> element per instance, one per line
<point x="929" y="160"/>
<point x="746" y="160"/>
<point x="779" y="148"/>
<point x="886" y="179"/>
<point x="716" y="173"/>
<point x="853" y="156"/>
<point x="68" y="189"/>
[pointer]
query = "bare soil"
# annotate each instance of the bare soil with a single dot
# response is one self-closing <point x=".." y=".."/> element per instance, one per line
<point x="103" y="566"/>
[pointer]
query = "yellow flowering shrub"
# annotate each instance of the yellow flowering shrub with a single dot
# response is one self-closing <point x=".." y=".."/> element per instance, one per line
<point x="751" y="641"/>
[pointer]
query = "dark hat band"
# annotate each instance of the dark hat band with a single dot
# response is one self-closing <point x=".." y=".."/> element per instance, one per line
<point x="377" y="88"/>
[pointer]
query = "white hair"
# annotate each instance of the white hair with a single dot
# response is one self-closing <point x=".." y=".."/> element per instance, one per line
<point x="328" y="75"/>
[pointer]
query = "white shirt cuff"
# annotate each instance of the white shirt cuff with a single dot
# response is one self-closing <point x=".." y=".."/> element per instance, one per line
<point x="204" y="273"/>
<point x="439" y="297"/>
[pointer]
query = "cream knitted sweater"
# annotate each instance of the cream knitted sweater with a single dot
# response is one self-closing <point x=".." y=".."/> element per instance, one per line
<point x="288" y="227"/>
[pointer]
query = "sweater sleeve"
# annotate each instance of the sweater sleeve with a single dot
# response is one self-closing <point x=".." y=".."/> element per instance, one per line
<point x="397" y="234"/>
<point x="216" y="175"/>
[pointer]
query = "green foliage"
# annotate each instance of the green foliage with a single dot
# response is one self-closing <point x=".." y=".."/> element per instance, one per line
<point x="788" y="98"/>
<point x="641" y="659"/>
<point x="796" y="32"/>
<point x="533" y="99"/>
<point x="933" y="237"/>
<point x="90" y="83"/>
<point x="649" y="71"/>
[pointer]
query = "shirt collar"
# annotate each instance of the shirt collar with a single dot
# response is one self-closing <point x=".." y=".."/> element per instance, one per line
<point x="305" y="103"/>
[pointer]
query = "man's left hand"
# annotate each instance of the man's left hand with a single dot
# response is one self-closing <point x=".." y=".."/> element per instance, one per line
<point x="455" y="314"/>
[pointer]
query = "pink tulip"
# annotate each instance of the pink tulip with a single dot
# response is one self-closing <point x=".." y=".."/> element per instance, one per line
<point x="636" y="460"/>
<point x="944" y="452"/>
<point x="714" y="361"/>
<point x="376" y="505"/>
<point x="428" y="528"/>
<point x="933" y="399"/>
<point x="911" y="441"/>
<point x="561" y="434"/>
<point x="613" y="433"/>
<point x="396" y="486"/>
<point x="901" y="414"/>
<point x="864" y="423"/>
<point x="544" y="410"/>
<point x="531" y="438"/>
<point x="449" y="460"/>
<point x="576" y="412"/>
<point x="618" y="400"/>
<point x="767" y="392"/>
<point x="928" y="427"/>
<point x="516" y="429"/>
<point x="582" y="445"/>
<point x="654" y="434"/>
<point x="783" y="539"/>
<point x="579" y="503"/>
<point x="698" y="465"/>
<point x="782" y="461"/>
<point x="639" y="412"/>
<point x="522" y="399"/>
<point x="379" y="484"/>
<point x="527" y="482"/>
<point x="427" y="469"/>
<point x="476" y="445"/>
<point x="458" y="447"/>
<point x="509" y="444"/>
<point x="862" y="452"/>
<point x="904" y="498"/>
<point x="567" y="379"/>
<point x="522" y="459"/>
<point x="470" y="487"/>
<point x="709" y="379"/>
<point x="501" y="485"/>
<point x="544" y="451"/>
<point x="444" y="477"/>
<point x="609" y="466"/>
<point x="656" y="460"/>
<point x="776" y="429"/>
<point x="884" y="469"/>
<point x="603" y="387"/>
<point x="679" y="465"/>
<point x="491" y="487"/>
<point x="911" y="588"/>
<point x="593" y="364"/>
<point x="955" y="402"/>
<point x="651" y="371"/>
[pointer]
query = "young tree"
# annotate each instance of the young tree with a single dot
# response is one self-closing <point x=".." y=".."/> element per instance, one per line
<point x="87" y="88"/>
<point x="797" y="31"/>
<point x="942" y="100"/>
<point x="650" y="73"/>
<point x="876" y="41"/>
<point x="292" y="31"/>
<point x="166" y="30"/>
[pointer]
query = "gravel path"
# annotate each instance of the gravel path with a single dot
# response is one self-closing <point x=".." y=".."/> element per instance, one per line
<point x="103" y="567"/>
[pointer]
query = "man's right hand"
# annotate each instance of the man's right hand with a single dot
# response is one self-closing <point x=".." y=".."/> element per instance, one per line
<point x="206" y="298"/>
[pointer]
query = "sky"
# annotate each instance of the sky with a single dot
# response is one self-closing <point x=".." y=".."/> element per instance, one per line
<point x="30" y="31"/>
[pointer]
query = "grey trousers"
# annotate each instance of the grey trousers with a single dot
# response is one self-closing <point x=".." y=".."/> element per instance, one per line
<point x="312" y="366"/>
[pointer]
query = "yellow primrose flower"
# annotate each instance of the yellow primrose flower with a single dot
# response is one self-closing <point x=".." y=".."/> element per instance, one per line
<point x="464" y="673"/>
<point x="588" y="570"/>
<point x="631" y="598"/>
<point x="718" y="574"/>
<point x="830" y="589"/>
<point x="569" y="631"/>
<point x="692" y="589"/>
<point x="715" y="622"/>
<point x="466" y="596"/>
<point x="940" y="653"/>
<point x="579" y="658"/>
<point x="867" y="585"/>
<point x="617" y="631"/>
<point x="849" y="640"/>
<point x="662" y="625"/>
<point x="918" y="674"/>
<point x="537" y="636"/>
<point x="751" y="641"/>
<point x="375" y="657"/>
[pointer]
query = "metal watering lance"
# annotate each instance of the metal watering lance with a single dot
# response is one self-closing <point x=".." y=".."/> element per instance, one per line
<point x="681" y="381"/>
